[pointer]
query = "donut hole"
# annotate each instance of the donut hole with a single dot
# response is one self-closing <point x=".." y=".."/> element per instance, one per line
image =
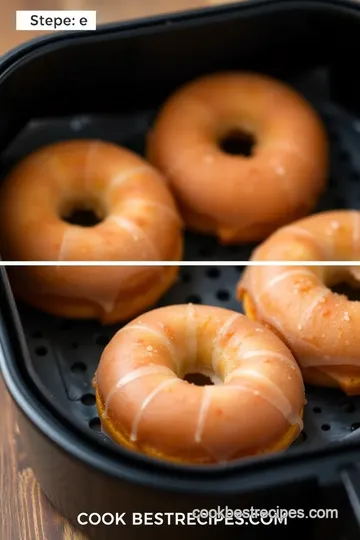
<point x="237" y="142"/>
<point x="199" y="379"/>
<point x="351" y="291"/>
<point x="82" y="214"/>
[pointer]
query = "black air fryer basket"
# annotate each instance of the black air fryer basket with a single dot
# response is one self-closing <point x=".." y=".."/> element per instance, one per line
<point x="109" y="84"/>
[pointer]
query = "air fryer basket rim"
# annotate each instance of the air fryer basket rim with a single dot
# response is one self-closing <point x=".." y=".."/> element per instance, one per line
<point x="163" y="18"/>
<point x="46" y="423"/>
<point x="44" y="44"/>
<point x="201" y="14"/>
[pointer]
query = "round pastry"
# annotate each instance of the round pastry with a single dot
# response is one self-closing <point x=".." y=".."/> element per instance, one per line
<point x="48" y="198"/>
<point x="243" y="154"/>
<point x="137" y="219"/>
<point x="106" y="293"/>
<point x="318" y="325"/>
<point x="145" y="402"/>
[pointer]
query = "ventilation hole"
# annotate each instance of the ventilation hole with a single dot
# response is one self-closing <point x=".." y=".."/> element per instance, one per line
<point x="95" y="424"/>
<point x="186" y="278"/>
<point x="355" y="426"/>
<point x="193" y="299"/>
<point x="317" y="410"/>
<point x="347" y="406"/>
<point x="223" y="295"/>
<point x="37" y="334"/>
<point x="78" y="367"/>
<point x="65" y="325"/>
<point x="102" y="340"/>
<point x="213" y="273"/>
<point x="88" y="400"/>
<point x="83" y="217"/>
<point x="325" y="427"/>
<point x="41" y="351"/>
<point x="198" y="379"/>
<point x="237" y="143"/>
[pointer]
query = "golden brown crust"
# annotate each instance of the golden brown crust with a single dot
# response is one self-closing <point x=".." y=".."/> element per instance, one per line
<point x="139" y="221"/>
<point x="239" y="198"/>
<point x="125" y="301"/>
<point x="138" y="216"/>
<point x="145" y="405"/>
<point x="319" y="326"/>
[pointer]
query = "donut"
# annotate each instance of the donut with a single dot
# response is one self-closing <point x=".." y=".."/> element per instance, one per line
<point x="320" y="326"/>
<point x="138" y="220"/>
<point x="240" y="196"/>
<point x="135" y="214"/>
<point x="145" y="403"/>
<point x="107" y="294"/>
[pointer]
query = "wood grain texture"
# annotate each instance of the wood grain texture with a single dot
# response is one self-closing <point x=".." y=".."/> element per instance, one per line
<point x="25" y="512"/>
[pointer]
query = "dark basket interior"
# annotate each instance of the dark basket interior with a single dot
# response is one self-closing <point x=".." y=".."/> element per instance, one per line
<point x="64" y="355"/>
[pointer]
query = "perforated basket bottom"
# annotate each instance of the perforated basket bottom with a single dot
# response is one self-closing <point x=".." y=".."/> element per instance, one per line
<point x="64" y="356"/>
<point x="130" y="131"/>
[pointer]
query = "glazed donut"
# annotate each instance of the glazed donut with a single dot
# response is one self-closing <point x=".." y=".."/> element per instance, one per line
<point x="146" y="405"/>
<point x="320" y="326"/>
<point x="240" y="198"/>
<point x="107" y="294"/>
<point x="138" y="218"/>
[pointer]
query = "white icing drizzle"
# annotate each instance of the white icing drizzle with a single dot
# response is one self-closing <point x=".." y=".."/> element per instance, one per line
<point x="129" y="173"/>
<point x="319" y="298"/>
<point x="161" y="386"/>
<point x="277" y="279"/>
<point x="158" y="206"/>
<point x="269" y="354"/>
<point x="191" y="334"/>
<point x="136" y="233"/>
<point x="356" y="233"/>
<point x="204" y="407"/>
<point x="221" y="455"/>
<point x="322" y="248"/>
<point x="161" y="336"/>
<point x="138" y="373"/>
<point x="217" y="350"/>
<point x="272" y="319"/>
<point x="275" y="396"/>
<point x="69" y="231"/>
